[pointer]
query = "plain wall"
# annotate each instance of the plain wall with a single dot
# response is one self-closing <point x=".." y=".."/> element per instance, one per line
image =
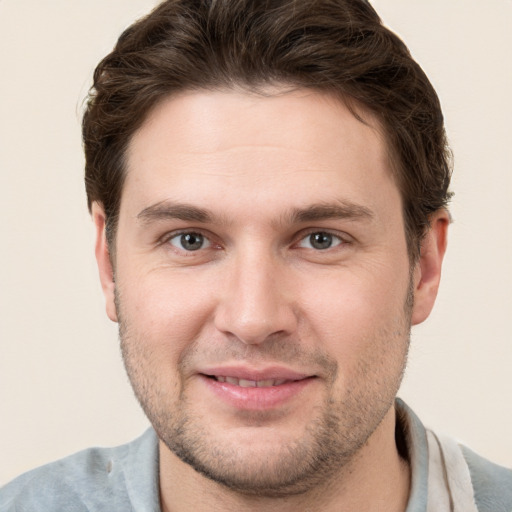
<point x="62" y="384"/>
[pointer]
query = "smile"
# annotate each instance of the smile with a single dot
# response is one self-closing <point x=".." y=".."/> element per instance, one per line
<point x="244" y="383"/>
<point x="255" y="390"/>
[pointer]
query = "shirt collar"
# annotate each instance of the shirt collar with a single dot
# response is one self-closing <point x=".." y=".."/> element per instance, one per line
<point x="414" y="437"/>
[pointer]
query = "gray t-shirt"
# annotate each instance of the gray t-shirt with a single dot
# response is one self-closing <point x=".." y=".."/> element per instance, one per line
<point x="445" y="476"/>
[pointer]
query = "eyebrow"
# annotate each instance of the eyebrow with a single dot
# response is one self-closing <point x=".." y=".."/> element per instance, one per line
<point x="171" y="210"/>
<point x="166" y="210"/>
<point x="325" y="211"/>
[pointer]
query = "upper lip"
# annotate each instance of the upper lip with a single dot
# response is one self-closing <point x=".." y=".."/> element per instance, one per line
<point x="255" y="374"/>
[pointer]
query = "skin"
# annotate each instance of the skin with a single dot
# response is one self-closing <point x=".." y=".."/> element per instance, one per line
<point x="252" y="178"/>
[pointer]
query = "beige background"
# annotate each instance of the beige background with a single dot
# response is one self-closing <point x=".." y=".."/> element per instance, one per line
<point x="62" y="385"/>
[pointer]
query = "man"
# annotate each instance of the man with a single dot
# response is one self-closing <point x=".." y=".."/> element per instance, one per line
<point x="269" y="183"/>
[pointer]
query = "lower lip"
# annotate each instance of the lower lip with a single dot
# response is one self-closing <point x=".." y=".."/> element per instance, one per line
<point x="257" y="399"/>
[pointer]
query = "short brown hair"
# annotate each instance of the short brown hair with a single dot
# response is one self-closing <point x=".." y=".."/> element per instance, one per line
<point x="335" y="46"/>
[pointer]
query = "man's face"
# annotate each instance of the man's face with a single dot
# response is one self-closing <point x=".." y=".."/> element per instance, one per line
<point x="262" y="284"/>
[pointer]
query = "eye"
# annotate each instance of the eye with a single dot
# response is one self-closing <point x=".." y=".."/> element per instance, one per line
<point x="189" y="241"/>
<point x="320" y="240"/>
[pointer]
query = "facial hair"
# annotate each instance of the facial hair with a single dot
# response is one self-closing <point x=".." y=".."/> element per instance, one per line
<point x="332" y="437"/>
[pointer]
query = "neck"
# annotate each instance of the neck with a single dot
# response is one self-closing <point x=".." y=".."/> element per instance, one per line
<point x="376" y="479"/>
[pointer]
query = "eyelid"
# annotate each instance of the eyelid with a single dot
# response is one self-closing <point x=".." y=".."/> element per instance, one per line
<point x="177" y="239"/>
<point x="165" y="239"/>
<point x="344" y="238"/>
<point x="341" y="235"/>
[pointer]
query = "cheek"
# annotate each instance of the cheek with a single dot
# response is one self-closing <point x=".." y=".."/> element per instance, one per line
<point x="164" y="314"/>
<point x="353" y="311"/>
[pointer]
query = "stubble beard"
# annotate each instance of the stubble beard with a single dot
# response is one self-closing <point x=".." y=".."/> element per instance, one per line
<point x="329" y="445"/>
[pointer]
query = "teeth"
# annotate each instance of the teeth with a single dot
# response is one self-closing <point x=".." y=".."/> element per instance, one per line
<point x="247" y="383"/>
<point x="244" y="383"/>
<point x="265" y="383"/>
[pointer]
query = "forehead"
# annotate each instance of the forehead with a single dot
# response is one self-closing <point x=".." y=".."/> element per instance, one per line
<point x="302" y="146"/>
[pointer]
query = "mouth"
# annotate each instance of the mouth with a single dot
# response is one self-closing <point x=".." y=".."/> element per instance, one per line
<point x="246" y="383"/>
<point x="247" y="389"/>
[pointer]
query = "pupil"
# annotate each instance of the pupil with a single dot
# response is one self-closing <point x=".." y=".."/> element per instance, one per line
<point x="321" y="240"/>
<point x="191" y="241"/>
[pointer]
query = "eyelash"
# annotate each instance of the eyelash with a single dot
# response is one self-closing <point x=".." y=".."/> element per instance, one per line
<point x="166" y="239"/>
<point x="342" y="238"/>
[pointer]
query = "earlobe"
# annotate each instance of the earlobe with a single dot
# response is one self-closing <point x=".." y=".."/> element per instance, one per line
<point x="427" y="272"/>
<point x="104" y="262"/>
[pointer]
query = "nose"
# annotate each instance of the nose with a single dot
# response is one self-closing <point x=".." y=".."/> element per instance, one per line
<point x="256" y="302"/>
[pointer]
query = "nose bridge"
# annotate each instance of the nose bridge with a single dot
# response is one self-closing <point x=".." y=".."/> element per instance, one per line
<point x="255" y="303"/>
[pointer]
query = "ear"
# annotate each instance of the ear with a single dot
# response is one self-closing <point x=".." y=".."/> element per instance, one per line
<point x="427" y="272"/>
<point x="103" y="259"/>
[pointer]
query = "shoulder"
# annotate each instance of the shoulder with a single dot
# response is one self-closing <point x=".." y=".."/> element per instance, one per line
<point x="445" y="472"/>
<point x="60" y="485"/>
<point x="492" y="484"/>
<point x="93" y="479"/>
<point x="470" y="479"/>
